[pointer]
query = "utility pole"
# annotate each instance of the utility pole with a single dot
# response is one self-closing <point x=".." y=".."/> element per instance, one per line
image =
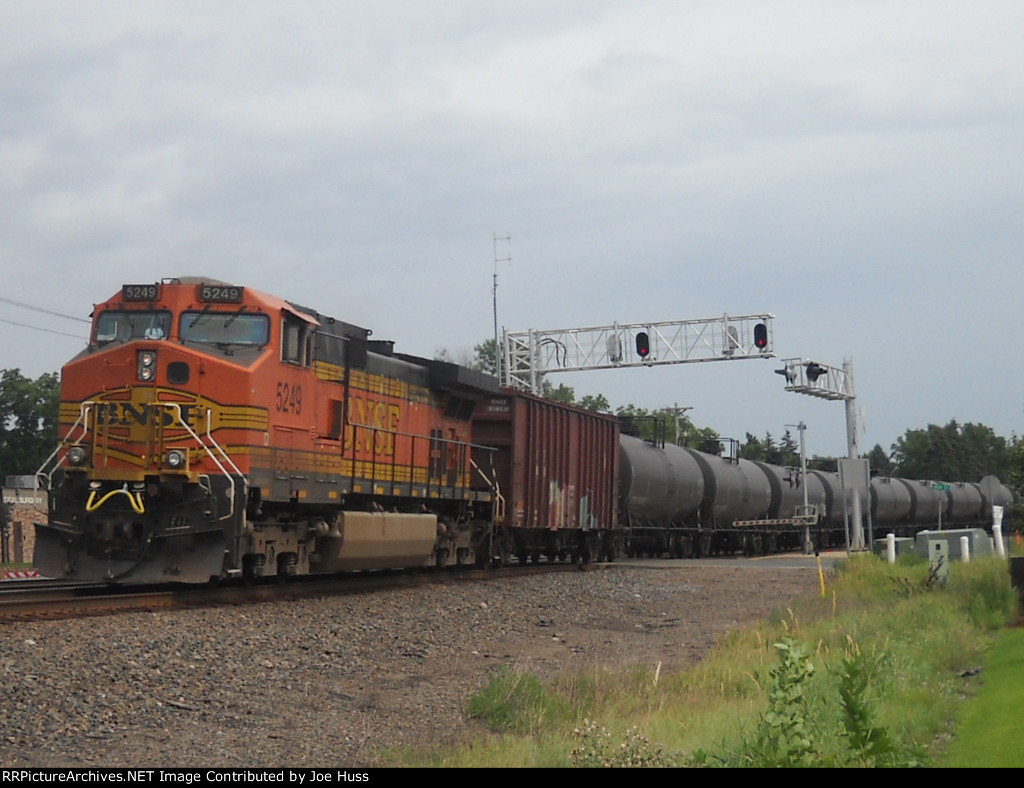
<point x="803" y="480"/>
<point x="678" y="412"/>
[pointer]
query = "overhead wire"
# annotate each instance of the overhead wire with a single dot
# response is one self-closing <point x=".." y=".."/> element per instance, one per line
<point x="44" y="311"/>
<point x="40" y="328"/>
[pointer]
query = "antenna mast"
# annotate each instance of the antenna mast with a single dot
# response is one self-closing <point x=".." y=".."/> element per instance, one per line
<point x="508" y="259"/>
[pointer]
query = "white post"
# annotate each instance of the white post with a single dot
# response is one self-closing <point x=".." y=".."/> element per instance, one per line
<point x="997" y="530"/>
<point x="890" y="547"/>
<point x="965" y="549"/>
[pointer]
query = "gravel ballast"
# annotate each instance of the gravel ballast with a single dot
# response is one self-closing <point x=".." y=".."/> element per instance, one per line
<point x="330" y="682"/>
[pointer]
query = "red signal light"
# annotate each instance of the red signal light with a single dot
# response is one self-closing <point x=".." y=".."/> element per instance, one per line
<point x="643" y="344"/>
<point x="761" y="336"/>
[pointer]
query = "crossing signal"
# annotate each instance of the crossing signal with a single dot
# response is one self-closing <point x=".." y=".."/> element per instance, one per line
<point x="643" y="344"/>
<point x="761" y="336"/>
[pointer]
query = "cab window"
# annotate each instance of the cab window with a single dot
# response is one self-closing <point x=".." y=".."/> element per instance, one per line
<point x="225" y="328"/>
<point x="296" y="342"/>
<point x="122" y="325"/>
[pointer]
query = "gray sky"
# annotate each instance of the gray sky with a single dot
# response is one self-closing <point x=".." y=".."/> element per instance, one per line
<point x="854" y="168"/>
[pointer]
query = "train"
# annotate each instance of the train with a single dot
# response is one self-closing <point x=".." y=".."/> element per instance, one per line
<point x="211" y="431"/>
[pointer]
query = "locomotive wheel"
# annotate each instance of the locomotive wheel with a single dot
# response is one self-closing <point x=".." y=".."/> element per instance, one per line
<point x="252" y="568"/>
<point x="286" y="567"/>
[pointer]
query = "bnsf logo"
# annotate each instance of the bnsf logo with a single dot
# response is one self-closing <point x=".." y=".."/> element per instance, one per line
<point x="372" y="426"/>
<point x="142" y="415"/>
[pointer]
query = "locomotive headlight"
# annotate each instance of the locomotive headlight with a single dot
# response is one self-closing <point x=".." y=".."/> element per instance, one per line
<point x="175" y="459"/>
<point x="146" y="365"/>
<point x="76" y="456"/>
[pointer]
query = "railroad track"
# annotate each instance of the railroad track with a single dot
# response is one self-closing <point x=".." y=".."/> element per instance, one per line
<point x="41" y="599"/>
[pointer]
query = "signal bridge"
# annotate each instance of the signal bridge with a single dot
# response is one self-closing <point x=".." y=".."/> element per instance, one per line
<point x="529" y="355"/>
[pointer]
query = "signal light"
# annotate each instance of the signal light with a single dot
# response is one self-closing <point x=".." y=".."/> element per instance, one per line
<point x="814" y="371"/>
<point x="761" y="336"/>
<point x="788" y="373"/>
<point x="643" y="344"/>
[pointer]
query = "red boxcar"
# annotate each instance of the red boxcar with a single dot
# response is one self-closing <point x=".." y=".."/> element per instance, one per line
<point x="556" y="469"/>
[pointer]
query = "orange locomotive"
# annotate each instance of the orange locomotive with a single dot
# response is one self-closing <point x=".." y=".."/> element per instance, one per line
<point x="209" y="430"/>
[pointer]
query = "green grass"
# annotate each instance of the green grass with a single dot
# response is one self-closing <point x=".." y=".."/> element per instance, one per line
<point x="992" y="731"/>
<point x="875" y="673"/>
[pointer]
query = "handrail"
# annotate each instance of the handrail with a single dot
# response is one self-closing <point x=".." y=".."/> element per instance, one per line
<point x="83" y="416"/>
<point x="499" y="499"/>
<point x="213" y="441"/>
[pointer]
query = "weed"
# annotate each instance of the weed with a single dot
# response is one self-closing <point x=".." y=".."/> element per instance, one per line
<point x="784" y="735"/>
<point x="517" y="701"/>
<point x="597" y="749"/>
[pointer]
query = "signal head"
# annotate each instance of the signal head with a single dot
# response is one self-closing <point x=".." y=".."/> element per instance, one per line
<point x="643" y="344"/>
<point x="760" y="336"/>
<point x="788" y="373"/>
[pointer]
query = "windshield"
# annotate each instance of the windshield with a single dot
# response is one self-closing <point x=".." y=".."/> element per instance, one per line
<point x="236" y="328"/>
<point x="136" y="324"/>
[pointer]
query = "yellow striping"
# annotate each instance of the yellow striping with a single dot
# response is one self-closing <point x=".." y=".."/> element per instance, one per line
<point x="131" y="408"/>
<point x="360" y="380"/>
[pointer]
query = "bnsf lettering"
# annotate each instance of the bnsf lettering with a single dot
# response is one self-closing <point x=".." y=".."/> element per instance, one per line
<point x="124" y="413"/>
<point x="372" y="426"/>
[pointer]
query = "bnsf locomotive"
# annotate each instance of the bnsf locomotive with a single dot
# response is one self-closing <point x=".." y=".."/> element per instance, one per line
<point x="210" y="430"/>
